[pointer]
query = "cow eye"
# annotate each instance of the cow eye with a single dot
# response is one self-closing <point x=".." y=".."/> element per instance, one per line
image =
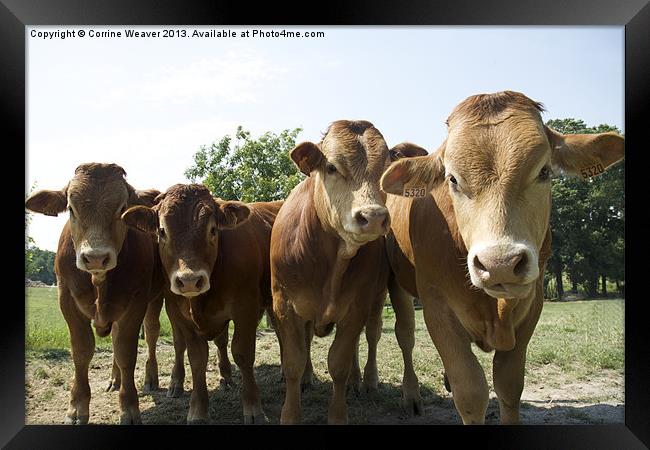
<point x="331" y="168"/>
<point x="213" y="230"/>
<point x="544" y="174"/>
<point x="161" y="233"/>
<point x="453" y="180"/>
<point x="71" y="212"/>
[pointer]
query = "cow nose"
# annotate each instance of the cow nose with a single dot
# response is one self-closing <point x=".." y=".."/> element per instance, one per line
<point x="374" y="220"/>
<point x="190" y="282"/>
<point x="96" y="260"/>
<point x="501" y="264"/>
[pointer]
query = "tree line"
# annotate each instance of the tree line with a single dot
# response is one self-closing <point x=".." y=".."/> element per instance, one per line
<point x="587" y="216"/>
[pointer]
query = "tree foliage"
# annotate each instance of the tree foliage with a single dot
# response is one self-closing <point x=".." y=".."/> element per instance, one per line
<point x="247" y="169"/>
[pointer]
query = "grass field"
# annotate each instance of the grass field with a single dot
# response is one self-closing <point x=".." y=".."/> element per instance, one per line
<point x="574" y="372"/>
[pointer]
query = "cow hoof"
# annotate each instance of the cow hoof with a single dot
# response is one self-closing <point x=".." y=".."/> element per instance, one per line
<point x="355" y="388"/>
<point x="175" y="390"/>
<point x="149" y="388"/>
<point x="370" y="388"/>
<point x="128" y="419"/>
<point x="447" y="386"/>
<point x="76" y="420"/>
<point x="306" y="384"/>
<point x="113" y="385"/>
<point x="259" y="419"/>
<point x="413" y="406"/>
<point x="197" y="421"/>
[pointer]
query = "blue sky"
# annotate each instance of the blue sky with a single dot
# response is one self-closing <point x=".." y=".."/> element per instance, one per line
<point x="148" y="104"/>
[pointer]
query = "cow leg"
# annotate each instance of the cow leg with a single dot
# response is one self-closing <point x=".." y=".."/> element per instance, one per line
<point x="197" y="352"/>
<point x="225" y="368"/>
<point x="308" y="374"/>
<point x="243" y="352"/>
<point x="82" y="344"/>
<point x="466" y="376"/>
<point x="151" y="334"/>
<point x="294" y="359"/>
<point x="125" y="335"/>
<point x="354" y="379"/>
<point x="508" y="367"/>
<point x="405" y="333"/>
<point x="114" y="382"/>
<point x="178" y="371"/>
<point x="373" y="334"/>
<point x="339" y="361"/>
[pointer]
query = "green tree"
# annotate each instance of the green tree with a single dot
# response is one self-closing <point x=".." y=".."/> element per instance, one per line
<point x="588" y="222"/>
<point x="248" y="169"/>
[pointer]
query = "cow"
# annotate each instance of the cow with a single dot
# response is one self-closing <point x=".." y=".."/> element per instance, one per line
<point x="404" y="331"/>
<point x="215" y="256"/>
<point x="108" y="274"/>
<point x="470" y="236"/>
<point x="328" y="262"/>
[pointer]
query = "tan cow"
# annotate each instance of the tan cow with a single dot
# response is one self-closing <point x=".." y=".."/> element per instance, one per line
<point x="473" y="248"/>
<point x="107" y="274"/>
<point x="402" y="304"/>
<point x="216" y="258"/>
<point x="328" y="264"/>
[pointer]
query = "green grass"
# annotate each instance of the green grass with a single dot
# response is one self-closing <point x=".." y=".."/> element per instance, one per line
<point x="47" y="333"/>
<point x="582" y="337"/>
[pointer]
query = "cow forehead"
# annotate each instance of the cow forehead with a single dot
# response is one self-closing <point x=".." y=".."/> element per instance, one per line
<point x="186" y="213"/>
<point x="89" y="193"/>
<point x="362" y="155"/>
<point x="507" y="148"/>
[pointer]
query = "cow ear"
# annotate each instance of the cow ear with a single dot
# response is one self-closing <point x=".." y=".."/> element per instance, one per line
<point x="420" y="172"/>
<point x="585" y="154"/>
<point x="141" y="218"/>
<point x="406" y="150"/>
<point x="146" y="198"/>
<point x="231" y="214"/>
<point x="308" y="157"/>
<point x="50" y="203"/>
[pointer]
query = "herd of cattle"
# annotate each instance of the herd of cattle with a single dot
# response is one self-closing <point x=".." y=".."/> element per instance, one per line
<point x="465" y="229"/>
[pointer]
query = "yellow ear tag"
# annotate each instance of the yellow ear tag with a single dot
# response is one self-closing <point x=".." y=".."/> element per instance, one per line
<point x="591" y="171"/>
<point x="414" y="191"/>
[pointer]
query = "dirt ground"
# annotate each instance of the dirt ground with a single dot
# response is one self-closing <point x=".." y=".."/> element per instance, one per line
<point x="548" y="398"/>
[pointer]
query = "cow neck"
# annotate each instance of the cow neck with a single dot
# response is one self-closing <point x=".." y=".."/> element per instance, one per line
<point x="331" y="310"/>
<point x="107" y="310"/>
<point x="196" y="312"/>
<point x="495" y="314"/>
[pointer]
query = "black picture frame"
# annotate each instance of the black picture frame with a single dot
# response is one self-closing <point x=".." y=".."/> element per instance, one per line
<point x="15" y="15"/>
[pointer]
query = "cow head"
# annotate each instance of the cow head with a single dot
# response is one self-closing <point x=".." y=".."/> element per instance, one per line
<point x="497" y="163"/>
<point x="187" y="220"/>
<point x="95" y="198"/>
<point x="347" y="165"/>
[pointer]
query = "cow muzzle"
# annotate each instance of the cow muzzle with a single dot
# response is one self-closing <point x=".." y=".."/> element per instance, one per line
<point x="372" y="221"/>
<point x="189" y="283"/>
<point x="96" y="260"/>
<point x="503" y="270"/>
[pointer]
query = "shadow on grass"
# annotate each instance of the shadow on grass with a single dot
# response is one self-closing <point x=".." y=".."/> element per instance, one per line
<point x="379" y="407"/>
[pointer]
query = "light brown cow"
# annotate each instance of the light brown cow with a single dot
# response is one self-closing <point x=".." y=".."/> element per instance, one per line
<point x="402" y="304"/>
<point x="327" y="263"/>
<point x="216" y="258"/>
<point x="473" y="248"/>
<point x="105" y="273"/>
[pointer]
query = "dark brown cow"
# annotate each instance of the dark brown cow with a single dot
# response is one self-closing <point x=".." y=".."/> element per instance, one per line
<point x="216" y="257"/>
<point x="327" y="263"/>
<point x="474" y="245"/>
<point x="105" y="273"/>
